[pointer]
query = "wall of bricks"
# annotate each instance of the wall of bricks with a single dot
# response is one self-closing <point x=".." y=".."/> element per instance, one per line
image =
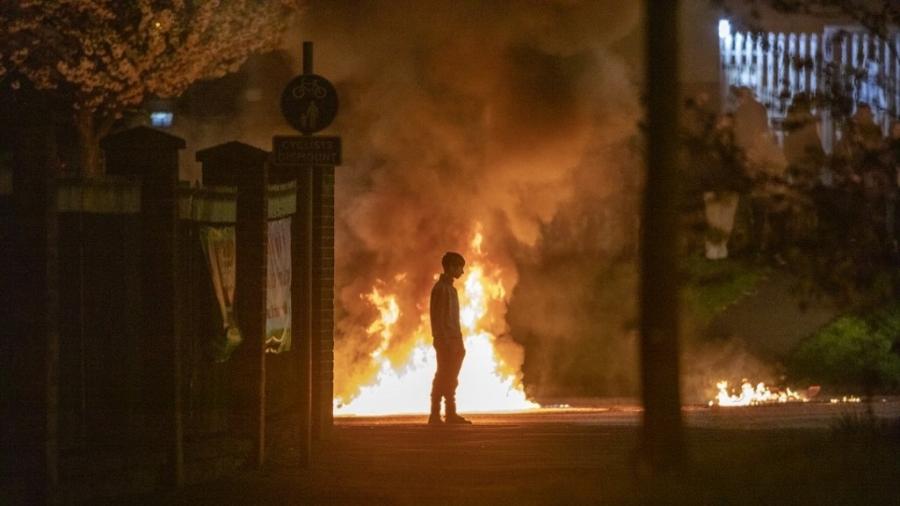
<point x="323" y="298"/>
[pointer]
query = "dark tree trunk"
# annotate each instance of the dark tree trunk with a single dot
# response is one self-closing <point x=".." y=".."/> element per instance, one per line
<point x="662" y="445"/>
<point x="91" y="128"/>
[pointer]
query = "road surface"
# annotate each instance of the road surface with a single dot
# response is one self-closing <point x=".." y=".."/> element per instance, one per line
<point x="587" y="455"/>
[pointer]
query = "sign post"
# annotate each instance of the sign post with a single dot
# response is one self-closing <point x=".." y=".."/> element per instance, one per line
<point x="309" y="103"/>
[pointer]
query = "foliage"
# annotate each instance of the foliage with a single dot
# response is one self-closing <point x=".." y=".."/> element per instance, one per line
<point x="107" y="56"/>
<point x="713" y="160"/>
<point x="854" y="350"/>
<point x="713" y="285"/>
<point x="846" y="254"/>
<point x="855" y="425"/>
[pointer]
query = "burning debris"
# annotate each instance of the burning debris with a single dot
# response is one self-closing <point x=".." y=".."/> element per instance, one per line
<point x="486" y="383"/>
<point x="750" y="396"/>
<point x="517" y="116"/>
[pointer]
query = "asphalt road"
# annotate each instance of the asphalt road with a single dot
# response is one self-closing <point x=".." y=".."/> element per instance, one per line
<point x="819" y="414"/>
<point x="777" y="454"/>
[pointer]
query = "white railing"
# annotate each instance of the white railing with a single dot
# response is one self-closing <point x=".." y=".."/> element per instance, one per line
<point x="777" y="66"/>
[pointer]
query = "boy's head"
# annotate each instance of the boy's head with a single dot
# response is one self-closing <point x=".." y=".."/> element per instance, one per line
<point x="453" y="264"/>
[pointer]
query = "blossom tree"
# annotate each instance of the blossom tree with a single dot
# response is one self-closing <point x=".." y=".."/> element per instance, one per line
<point x="106" y="57"/>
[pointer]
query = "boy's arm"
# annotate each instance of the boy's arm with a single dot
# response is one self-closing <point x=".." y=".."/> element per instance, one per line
<point x="439" y="312"/>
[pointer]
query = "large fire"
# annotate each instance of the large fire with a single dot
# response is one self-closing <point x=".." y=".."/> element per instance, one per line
<point x="485" y="381"/>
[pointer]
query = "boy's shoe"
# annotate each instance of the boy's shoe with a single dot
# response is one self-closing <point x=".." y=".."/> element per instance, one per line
<point x="435" y="419"/>
<point x="453" y="418"/>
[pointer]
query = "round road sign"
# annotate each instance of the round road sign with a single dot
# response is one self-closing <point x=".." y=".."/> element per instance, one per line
<point x="309" y="103"/>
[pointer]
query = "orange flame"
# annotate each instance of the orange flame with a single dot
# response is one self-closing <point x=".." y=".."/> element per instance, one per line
<point x="485" y="383"/>
<point x="750" y="396"/>
<point x="389" y="313"/>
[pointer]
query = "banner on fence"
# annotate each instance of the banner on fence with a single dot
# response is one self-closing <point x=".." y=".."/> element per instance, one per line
<point x="219" y="251"/>
<point x="278" y="290"/>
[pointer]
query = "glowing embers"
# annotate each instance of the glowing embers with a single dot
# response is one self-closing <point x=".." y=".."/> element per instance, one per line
<point x="846" y="399"/>
<point x="486" y="382"/>
<point x="750" y="396"/>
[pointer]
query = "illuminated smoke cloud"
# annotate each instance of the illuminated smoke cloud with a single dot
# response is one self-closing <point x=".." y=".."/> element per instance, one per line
<point x="521" y="116"/>
<point x="457" y="113"/>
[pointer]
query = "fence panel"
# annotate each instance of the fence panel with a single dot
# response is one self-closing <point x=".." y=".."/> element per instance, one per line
<point x="865" y="67"/>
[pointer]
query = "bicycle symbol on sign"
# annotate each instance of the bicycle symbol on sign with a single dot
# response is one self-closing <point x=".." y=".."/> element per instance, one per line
<point x="309" y="103"/>
<point x="310" y="87"/>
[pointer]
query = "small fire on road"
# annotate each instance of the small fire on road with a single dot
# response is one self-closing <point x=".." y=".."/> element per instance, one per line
<point x="750" y="396"/>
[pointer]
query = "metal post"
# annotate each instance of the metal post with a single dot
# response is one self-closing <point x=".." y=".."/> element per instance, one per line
<point x="307" y="57"/>
<point x="309" y="376"/>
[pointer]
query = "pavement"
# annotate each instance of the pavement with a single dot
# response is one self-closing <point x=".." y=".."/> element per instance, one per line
<point x="769" y="454"/>
<point x="817" y="414"/>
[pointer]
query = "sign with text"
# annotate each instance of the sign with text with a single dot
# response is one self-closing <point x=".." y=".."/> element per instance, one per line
<point x="306" y="150"/>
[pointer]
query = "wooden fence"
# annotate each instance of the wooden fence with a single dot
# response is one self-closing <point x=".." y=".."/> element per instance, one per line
<point x="120" y="393"/>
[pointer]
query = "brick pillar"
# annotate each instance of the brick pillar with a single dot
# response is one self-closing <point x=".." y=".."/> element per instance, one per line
<point x="312" y="286"/>
<point x="245" y="166"/>
<point x="312" y="290"/>
<point x="322" y="303"/>
<point x="153" y="156"/>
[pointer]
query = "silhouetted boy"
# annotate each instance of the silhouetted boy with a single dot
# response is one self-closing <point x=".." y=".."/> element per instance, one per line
<point x="448" y="341"/>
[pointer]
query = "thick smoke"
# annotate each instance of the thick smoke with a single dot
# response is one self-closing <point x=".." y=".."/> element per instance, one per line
<point x="520" y="117"/>
<point x="575" y="306"/>
<point x="513" y="115"/>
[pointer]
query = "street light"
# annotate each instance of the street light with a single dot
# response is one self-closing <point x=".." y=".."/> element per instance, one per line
<point x="161" y="112"/>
